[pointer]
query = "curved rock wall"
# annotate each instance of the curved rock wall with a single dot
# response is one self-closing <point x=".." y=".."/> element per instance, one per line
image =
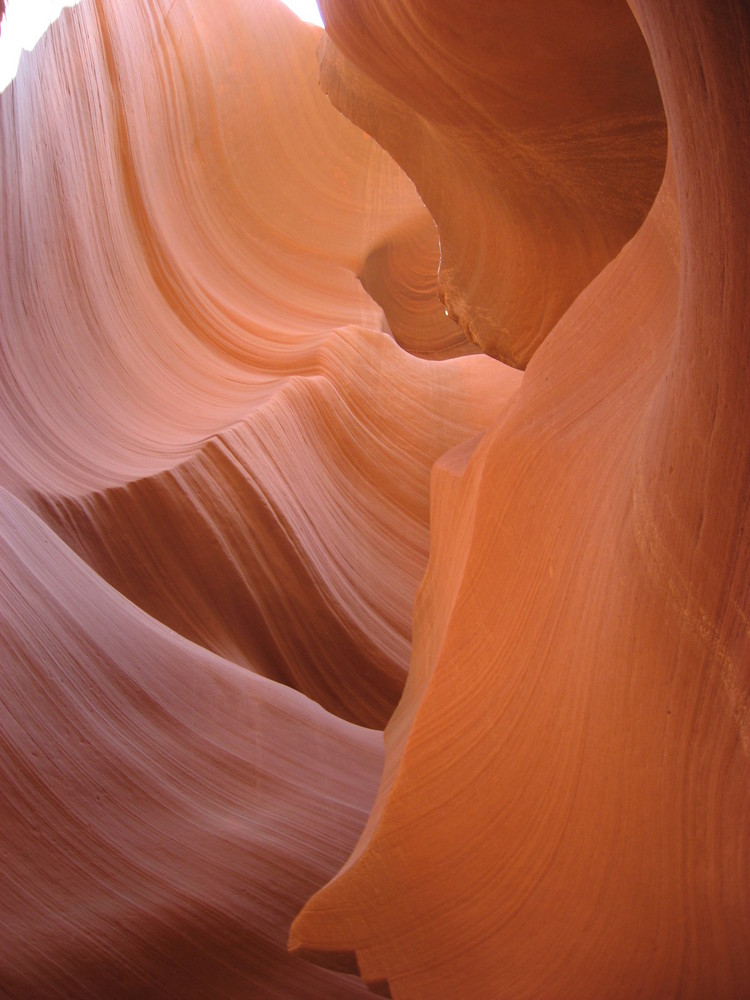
<point x="202" y="402"/>
<point x="564" y="809"/>
<point x="259" y="492"/>
<point x="533" y="131"/>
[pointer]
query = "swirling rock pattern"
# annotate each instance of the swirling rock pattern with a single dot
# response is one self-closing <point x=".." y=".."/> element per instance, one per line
<point x="164" y="813"/>
<point x="400" y="274"/>
<point x="565" y="809"/>
<point x="257" y="493"/>
<point x="201" y="400"/>
<point x="533" y="131"/>
<point x="300" y="535"/>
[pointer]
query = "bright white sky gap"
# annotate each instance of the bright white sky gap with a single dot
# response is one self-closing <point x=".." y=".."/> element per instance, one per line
<point x="26" y="21"/>
<point x="24" y="24"/>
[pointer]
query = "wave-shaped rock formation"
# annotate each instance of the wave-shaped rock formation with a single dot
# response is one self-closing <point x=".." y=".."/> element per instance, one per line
<point x="262" y="497"/>
<point x="533" y="131"/>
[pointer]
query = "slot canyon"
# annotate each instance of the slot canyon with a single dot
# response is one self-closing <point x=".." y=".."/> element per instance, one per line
<point x="375" y="502"/>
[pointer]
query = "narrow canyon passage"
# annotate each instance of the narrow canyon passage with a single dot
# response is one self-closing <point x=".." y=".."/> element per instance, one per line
<point x="373" y="481"/>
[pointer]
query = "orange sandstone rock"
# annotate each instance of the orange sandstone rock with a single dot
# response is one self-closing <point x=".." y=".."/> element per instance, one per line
<point x="565" y="810"/>
<point x="198" y="395"/>
<point x="184" y="216"/>
<point x="164" y="813"/>
<point x="218" y="471"/>
<point x="401" y="275"/>
<point x="534" y="133"/>
<point x="187" y="249"/>
<point x="294" y="542"/>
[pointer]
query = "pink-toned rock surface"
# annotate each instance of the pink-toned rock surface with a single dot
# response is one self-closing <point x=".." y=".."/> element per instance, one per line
<point x="179" y="194"/>
<point x="201" y="400"/>
<point x="193" y="295"/>
<point x="250" y="486"/>
<point x="299" y="536"/>
<point x="164" y="812"/>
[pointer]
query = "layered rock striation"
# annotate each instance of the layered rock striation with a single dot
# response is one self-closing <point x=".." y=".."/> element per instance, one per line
<point x="534" y="133"/>
<point x="262" y="497"/>
<point x="564" y="809"/>
<point x="201" y="401"/>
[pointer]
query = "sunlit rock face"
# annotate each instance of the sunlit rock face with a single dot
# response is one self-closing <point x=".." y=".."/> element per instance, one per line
<point x="565" y="807"/>
<point x="261" y="497"/>
<point x="215" y="511"/>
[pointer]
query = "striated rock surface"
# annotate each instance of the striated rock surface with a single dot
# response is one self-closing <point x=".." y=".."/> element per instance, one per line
<point x="565" y="807"/>
<point x="198" y="219"/>
<point x="164" y="812"/>
<point x="533" y="131"/>
<point x="200" y="399"/>
<point x="161" y="300"/>
<point x="299" y="536"/>
<point x="258" y="492"/>
<point x="400" y="274"/>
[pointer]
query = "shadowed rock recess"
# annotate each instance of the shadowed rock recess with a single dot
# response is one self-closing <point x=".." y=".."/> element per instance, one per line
<point x="374" y="484"/>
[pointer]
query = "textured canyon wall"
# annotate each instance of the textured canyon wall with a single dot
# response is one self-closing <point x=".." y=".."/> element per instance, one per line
<point x="200" y="400"/>
<point x="261" y="496"/>
<point x="565" y="807"/>
<point x="533" y="131"/>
